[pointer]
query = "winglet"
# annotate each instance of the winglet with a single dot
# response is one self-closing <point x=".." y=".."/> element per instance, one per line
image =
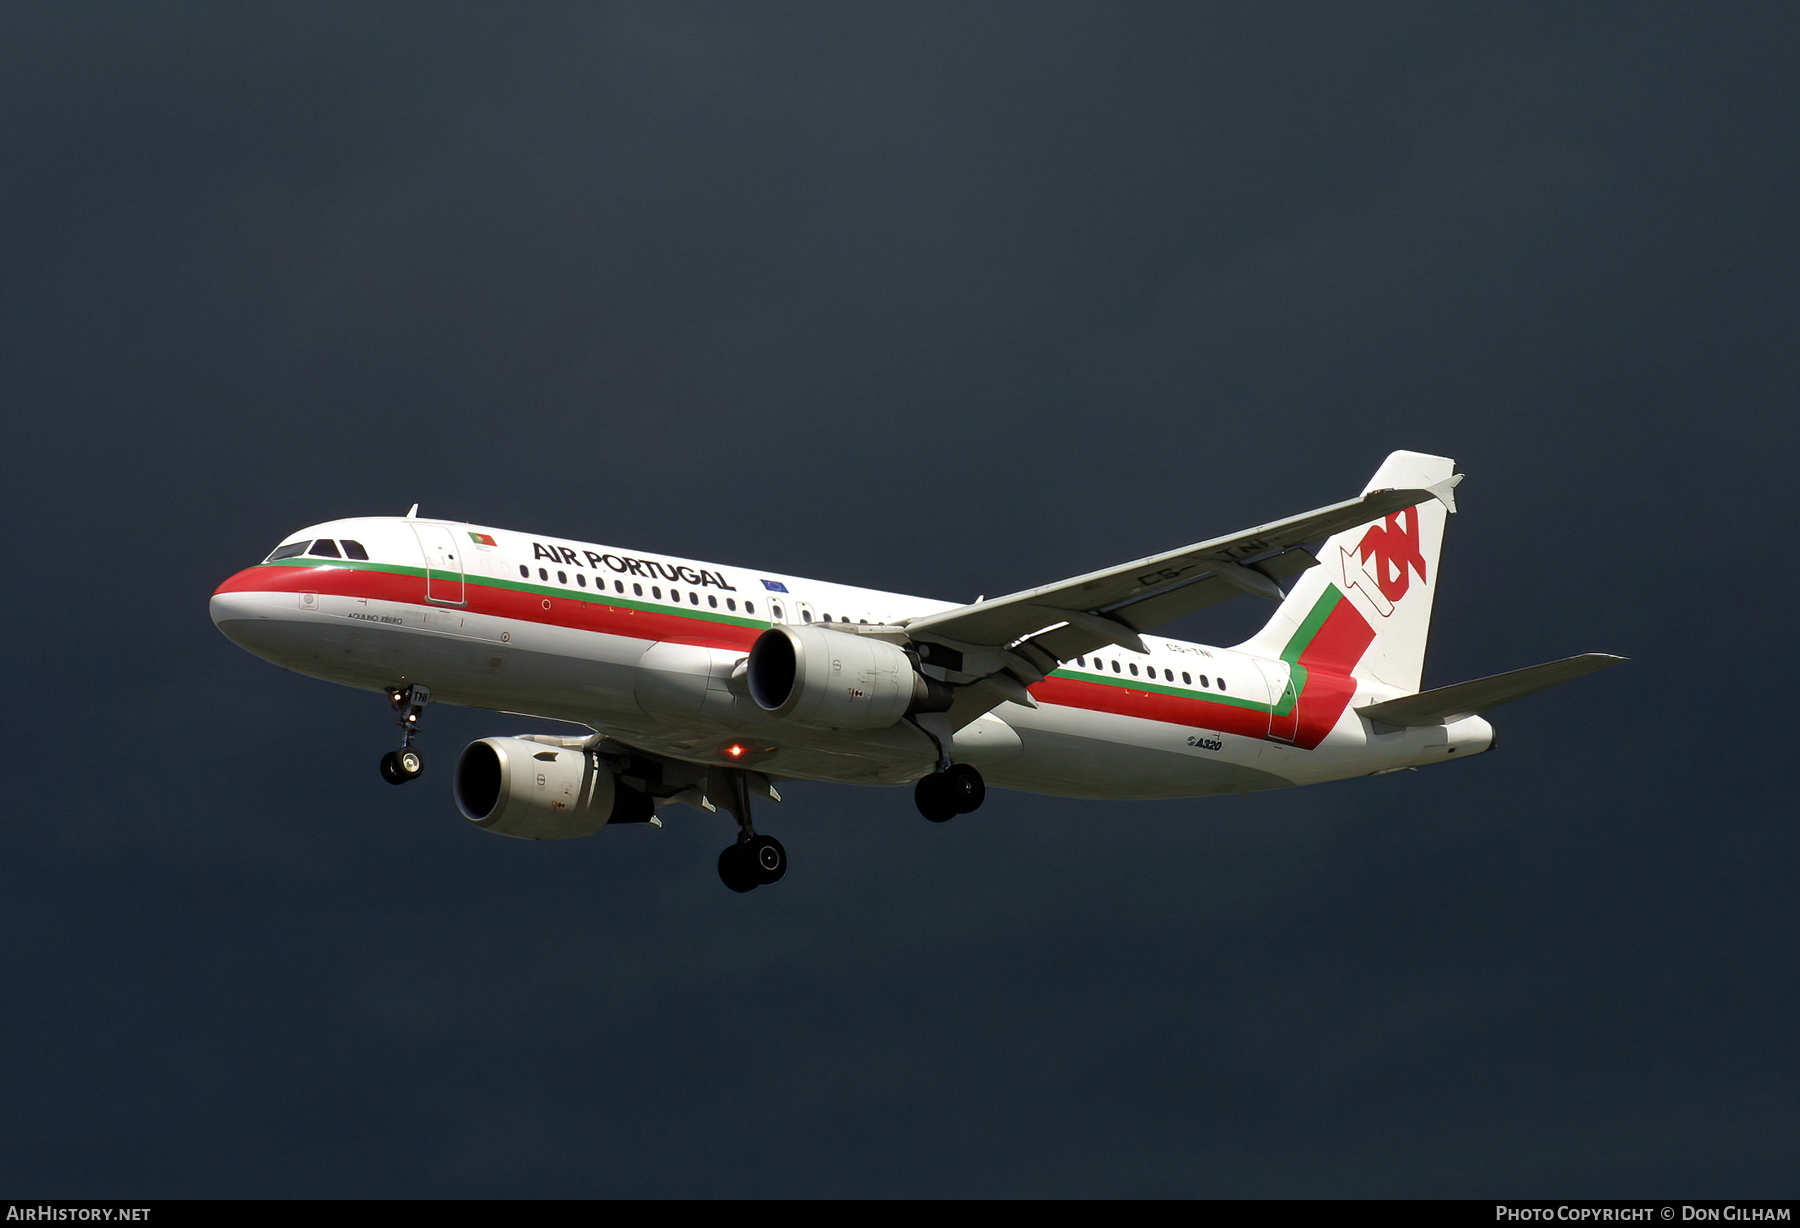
<point x="412" y="513"/>
<point x="1444" y="491"/>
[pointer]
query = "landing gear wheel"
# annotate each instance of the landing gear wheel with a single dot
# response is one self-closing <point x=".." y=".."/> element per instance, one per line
<point x="400" y="766"/>
<point x="768" y="858"/>
<point x="736" y="870"/>
<point x="933" y="799"/>
<point x="965" y="788"/>
<point x="958" y="789"/>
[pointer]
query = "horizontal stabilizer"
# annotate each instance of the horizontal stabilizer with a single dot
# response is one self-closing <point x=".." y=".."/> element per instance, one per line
<point x="1452" y="703"/>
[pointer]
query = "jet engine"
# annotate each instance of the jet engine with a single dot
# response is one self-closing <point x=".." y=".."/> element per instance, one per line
<point x="542" y="791"/>
<point x="836" y="680"/>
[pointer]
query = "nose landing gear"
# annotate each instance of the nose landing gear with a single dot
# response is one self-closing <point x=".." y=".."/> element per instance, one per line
<point x="406" y="764"/>
<point x="958" y="789"/>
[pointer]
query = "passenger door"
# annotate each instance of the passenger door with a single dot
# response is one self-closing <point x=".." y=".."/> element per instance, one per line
<point x="443" y="563"/>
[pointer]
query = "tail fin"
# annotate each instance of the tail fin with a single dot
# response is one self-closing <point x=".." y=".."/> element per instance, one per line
<point x="1366" y="609"/>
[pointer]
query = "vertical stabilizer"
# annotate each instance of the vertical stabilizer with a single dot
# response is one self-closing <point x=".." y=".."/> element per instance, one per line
<point x="1366" y="608"/>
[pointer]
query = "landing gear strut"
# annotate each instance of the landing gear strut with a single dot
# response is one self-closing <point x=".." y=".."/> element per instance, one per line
<point x="958" y="789"/>
<point x="400" y="766"/>
<point x="754" y="859"/>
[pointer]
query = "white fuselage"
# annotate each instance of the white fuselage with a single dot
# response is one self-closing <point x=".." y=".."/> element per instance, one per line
<point x="649" y="649"/>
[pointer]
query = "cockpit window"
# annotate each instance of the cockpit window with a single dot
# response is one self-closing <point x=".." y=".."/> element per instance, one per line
<point x="325" y="548"/>
<point x="354" y="550"/>
<point x="288" y="551"/>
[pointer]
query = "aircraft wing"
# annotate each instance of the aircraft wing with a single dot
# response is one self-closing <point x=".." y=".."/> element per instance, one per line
<point x="1045" y="626"/>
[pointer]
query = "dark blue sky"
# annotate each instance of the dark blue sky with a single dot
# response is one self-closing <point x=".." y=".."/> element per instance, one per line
<point x="946" y="300"/>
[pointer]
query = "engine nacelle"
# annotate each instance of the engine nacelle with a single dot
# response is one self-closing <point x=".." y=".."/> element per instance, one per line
<point x="836" y="680"/>
<point x="537" y="791"/>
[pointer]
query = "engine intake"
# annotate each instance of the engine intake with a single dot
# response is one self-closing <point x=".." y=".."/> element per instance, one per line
<point x="836" y="680"/>
<point x="534" y="791"/>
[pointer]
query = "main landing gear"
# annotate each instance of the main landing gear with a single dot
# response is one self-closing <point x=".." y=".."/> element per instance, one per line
<point x="400" y="766"/>
<point x="752" y="860"/>
<point x="958" y="789"/>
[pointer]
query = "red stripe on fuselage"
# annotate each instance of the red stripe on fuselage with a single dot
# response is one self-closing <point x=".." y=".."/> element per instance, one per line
<point x="576" y="614"/>
<point x="1338" y="645"/>
<point x="1190" y="711"/>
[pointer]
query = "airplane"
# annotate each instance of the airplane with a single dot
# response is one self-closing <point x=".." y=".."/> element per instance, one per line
<point x="704" y="684"/>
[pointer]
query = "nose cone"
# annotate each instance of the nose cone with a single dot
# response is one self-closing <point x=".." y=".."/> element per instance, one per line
<point x="236" y="608"/>
<point x="231" y="602"/>
<point x="227" y="608"/>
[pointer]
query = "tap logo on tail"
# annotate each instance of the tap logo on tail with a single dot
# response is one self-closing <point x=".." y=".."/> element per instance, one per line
<point x="1384" y="560"/>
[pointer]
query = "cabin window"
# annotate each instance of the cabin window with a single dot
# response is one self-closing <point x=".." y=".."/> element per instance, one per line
<point x="325" y="548"/>
<point x="1221" y="684"/>
<point x="1203" y="681"/>
<point x="524" y="571"/>
<point x="779" y="616"/>
<point x="1115" y="666"/>
<point x="749" y="607"/>
<point x="581" y="579"/>
<point x="637" y="590"/>
<point x="1081" y="663"/>
<point x="1186" y="678"/>
<point x="618" y="586"/>
<point x="1168" y="675"/>
<point x="291" y="550"/>
<point x="542" y="574"/>
<point x="562" y="577"/>
<point x="825" y="617"/>
<point x="1134" y="669"/>
<point x="712" y="601"/>
<point x="656" y="591"/>
<point x="354" y="550"/>
<point x="731" y="603"/>
<point x="805" y="614"/>
<point x="694" y="599"/>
